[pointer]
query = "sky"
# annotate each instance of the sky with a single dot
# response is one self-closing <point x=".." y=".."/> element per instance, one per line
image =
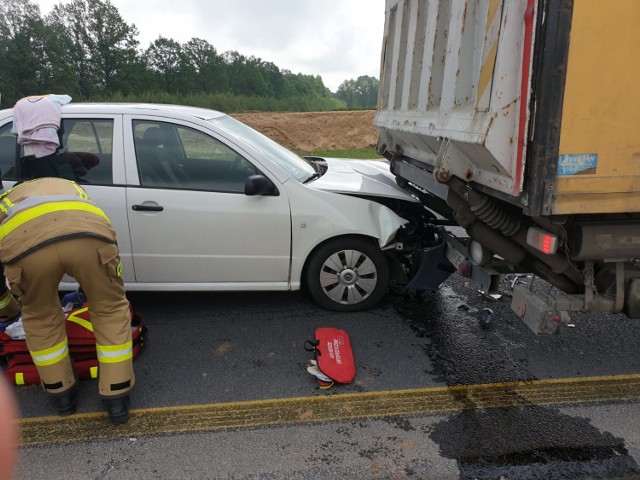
<point x="336" y="39"/>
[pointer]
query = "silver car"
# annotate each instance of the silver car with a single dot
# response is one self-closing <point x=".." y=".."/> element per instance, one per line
<point x="201" y="201"/>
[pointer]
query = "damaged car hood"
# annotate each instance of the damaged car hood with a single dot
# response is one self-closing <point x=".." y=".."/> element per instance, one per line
<point x="360" y="177"/>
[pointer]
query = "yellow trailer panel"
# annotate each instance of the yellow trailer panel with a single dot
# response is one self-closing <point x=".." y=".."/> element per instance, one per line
<point x="599" y="153"/>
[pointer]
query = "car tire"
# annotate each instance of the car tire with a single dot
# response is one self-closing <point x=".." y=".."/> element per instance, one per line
<point x="347" y="274"/>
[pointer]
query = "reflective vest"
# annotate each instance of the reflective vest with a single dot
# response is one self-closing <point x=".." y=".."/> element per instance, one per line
<point x="42" y="211"/>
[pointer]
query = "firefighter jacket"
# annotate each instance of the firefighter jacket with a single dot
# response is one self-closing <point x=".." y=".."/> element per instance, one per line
<point x="46" y="210"/>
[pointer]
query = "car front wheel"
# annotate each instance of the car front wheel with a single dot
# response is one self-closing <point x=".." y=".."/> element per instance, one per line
<point x="347" y="274"/>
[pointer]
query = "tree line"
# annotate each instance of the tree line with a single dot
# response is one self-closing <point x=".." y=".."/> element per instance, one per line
<point x="86" y="49"/>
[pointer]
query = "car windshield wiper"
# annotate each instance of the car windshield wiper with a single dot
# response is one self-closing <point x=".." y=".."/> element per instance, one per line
<point x="313" y="177"/>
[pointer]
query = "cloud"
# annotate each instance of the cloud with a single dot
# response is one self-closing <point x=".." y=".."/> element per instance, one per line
<point x="336" y="39"/>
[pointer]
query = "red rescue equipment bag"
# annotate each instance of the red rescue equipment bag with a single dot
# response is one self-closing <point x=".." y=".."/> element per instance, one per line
<point x="21" y="370"/>
<point x="333" y="356"/>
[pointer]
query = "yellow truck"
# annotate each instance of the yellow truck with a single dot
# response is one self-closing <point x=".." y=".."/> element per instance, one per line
<point x="519" y="120"/>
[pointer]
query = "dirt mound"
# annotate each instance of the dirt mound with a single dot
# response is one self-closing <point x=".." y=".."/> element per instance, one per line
<point x="309" y="131"/>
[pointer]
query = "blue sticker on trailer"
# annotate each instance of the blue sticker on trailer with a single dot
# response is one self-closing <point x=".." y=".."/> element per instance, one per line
<point x="577" y="164"/>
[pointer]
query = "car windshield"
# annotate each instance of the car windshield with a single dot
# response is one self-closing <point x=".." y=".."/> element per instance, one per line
<point x="297" y="166"/>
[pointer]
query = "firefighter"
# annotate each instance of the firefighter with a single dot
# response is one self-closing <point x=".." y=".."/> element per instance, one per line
<point x="49" y="227"/>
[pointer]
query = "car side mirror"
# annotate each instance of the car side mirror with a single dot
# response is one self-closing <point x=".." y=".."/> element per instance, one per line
<point x="259" y="185"/>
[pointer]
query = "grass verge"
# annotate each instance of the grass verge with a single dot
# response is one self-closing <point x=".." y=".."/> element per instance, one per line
<point x="359" y="153"/>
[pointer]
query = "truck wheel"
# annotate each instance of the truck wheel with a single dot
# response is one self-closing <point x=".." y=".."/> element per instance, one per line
<point x="347" y="275"/>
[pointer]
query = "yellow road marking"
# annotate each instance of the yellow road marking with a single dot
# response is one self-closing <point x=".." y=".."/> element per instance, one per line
<point x="322" y="408"/>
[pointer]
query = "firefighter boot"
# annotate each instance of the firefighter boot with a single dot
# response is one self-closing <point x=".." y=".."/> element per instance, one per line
<point x="65" y="402"/>
<point x="118" y="409"/>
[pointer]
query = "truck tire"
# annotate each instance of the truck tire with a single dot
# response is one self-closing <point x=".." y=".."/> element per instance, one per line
<point x="347" y="274"/>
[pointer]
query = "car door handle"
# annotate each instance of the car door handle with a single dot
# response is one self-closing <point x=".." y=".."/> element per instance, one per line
<point x="147" y="208"/>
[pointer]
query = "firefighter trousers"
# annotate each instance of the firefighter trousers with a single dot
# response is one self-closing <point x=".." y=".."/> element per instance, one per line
<point x="95" y="265"/>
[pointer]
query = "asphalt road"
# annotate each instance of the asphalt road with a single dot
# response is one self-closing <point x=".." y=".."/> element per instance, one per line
<point x="222" y="392"/>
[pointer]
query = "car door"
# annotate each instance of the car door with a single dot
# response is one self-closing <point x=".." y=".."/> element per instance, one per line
<point x="191" y="225"/>
<point x="92" y="155"/>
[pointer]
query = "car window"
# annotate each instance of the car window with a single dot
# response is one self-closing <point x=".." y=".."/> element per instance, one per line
<point x="85" y="156"/>
<point x="7" y="152"/>
<point x="175" y="156"/>
<point x="91" y="140"/>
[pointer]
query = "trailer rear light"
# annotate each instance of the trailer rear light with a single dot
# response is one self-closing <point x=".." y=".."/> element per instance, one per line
<point x="541" y="240"/>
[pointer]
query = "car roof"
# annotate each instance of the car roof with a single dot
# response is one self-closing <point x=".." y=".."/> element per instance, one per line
<point x="140" y="108"/>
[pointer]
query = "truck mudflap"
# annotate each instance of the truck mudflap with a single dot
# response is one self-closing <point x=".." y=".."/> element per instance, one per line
<point x="432" y="268"/>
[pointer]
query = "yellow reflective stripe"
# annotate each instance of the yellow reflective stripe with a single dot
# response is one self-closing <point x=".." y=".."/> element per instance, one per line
<point x="114" y="353"/>
<point x="93" y="371"/>
<point x="81" y="191"/>
<point x="7" y="192"/>
<point x="25" y="216"/>
<point x="19" y="378"/>
<point x="49" y="356"/>
<point x="81" y="321"/>
<point x="5" y="205"/>
<point x="116" y="359"/>
<point x="49" y="350"/>
<point x="5" y="300"/>
<point x="114" y="348"/>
